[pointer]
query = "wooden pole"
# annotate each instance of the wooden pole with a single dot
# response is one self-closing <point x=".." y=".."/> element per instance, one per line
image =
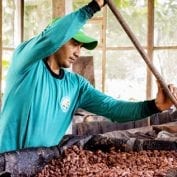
<point x="141" y="50"/>
<point x="22" y="20"/>
<point x="150" y="46"/>
<point x="104" y="48"/>
<point x="58" y="8"/>
<point x="19" y="22"/>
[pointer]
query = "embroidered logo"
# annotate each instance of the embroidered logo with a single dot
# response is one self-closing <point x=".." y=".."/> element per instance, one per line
<point x="65" y="103"/>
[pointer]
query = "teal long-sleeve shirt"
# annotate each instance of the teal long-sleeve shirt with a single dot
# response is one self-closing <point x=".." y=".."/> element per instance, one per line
<point x="38" y="105"/>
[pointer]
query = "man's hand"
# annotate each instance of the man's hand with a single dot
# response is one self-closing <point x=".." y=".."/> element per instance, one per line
<point x="162" y="100"/>
<point x="101" y="3"/>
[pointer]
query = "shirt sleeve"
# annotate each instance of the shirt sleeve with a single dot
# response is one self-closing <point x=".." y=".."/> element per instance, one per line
<point x="52" y="37"/>
<point x="99" y="103"/>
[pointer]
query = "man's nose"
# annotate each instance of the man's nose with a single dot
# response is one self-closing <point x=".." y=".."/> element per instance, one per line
<point x="77" y="52"/>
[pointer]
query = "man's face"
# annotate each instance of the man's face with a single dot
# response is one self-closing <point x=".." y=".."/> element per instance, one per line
<point x="68" y="53"/>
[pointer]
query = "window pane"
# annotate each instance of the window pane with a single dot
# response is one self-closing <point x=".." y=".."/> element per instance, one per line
<point x="165" y="61"/>
<point x="6" y="58"/>
<point x="37" y="15"/>
<point x="135" y="15"/>
<point x="8" y="23"/>
<point x="165" y="23"/>
<point x="126" y="75"/>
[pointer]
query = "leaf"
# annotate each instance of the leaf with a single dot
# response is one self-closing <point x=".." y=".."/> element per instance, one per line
<point x="5" y="63"/>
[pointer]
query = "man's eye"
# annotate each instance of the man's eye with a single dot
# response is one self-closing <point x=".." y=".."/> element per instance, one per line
<point x="76" y="43"/>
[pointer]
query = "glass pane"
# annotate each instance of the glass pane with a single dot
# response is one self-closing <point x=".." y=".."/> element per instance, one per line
<point x="165" y="61"/>
<point x="6" y="59"/>
<point x="8" y="23"/>
<point x="135" y="15"/>
<point x="165" y="23"/>
<point x="126" y="75"/>
<point x="37" y="15"/>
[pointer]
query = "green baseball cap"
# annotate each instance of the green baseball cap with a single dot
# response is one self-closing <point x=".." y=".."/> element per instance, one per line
<point x="88" y="42"/>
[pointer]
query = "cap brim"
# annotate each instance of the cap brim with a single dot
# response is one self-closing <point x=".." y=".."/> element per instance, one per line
<point x="88" y="42"/>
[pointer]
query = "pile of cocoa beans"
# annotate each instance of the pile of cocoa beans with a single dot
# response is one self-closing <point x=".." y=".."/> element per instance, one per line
<point x="77" y="162"/>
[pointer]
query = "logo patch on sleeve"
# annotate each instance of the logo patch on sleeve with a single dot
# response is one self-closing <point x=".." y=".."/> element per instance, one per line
<point x="65" y="103"/>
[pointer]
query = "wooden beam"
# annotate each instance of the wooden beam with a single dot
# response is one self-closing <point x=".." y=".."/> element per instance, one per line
<point x="22" y="20"/>
<point x="150" y="46"/>
<point x="104" y="26"/>
<point x="19" y="22"/>
<point x="61" y="7"/>
<point x="58" y="7"/>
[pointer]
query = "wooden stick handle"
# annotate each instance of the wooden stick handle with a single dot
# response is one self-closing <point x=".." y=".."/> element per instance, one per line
<point x="141" y="50"/>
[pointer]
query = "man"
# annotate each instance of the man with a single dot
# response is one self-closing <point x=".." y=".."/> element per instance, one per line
<point x="41" y="95"/>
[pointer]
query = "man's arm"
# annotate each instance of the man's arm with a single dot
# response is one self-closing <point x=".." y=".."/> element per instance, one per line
<point x="97" y="102"/>
<point x="122" y="111"/>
